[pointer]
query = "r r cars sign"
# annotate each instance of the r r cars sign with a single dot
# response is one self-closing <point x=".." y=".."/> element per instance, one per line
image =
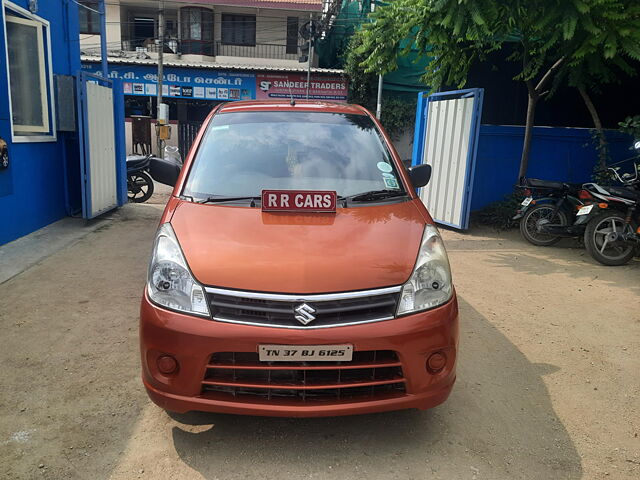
<point x="298" y="200"/>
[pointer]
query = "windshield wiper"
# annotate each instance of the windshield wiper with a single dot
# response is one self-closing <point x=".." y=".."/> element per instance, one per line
<point x="229" y="199"/>
<point x="374" y="195"/>
<point x="370" y="196"/>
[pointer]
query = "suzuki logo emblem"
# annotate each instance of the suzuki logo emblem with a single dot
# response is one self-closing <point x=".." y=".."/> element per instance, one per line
<point x="304" y="313"/>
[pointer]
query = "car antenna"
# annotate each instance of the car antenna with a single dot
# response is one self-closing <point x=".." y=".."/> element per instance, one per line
<point x="293" y="102"/>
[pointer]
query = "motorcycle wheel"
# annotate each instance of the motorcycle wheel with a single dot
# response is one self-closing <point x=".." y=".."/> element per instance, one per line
<point x="534" y="216"/>
<point x="595" y="239"/>
<point x="140" y="187"/>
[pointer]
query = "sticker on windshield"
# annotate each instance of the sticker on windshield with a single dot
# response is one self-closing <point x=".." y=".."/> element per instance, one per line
<point x="384" y="167"/>
<point x="388" y="175"/>
<point x="391" y="183"/>
<point x="220" y="127"/>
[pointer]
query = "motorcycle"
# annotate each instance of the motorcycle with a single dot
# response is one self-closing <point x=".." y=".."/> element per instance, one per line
<point x="139" y="182"/>
<point x="612" y="233"/>
<point x="548" y="211"/>
<point x="142" y="170"/>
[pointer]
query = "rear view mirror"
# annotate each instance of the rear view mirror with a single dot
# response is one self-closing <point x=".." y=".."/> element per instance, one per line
<point x="165" y="170"/>
<point x="420" y="175"/>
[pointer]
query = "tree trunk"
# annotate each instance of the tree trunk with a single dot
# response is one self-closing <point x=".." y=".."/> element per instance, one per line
<point x="528" y="132"/>
<point x="603" y="154"/>
<point x="535" y="93"/>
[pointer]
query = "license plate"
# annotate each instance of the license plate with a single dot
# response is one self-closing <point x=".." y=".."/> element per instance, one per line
<point x="305" y="353"/>
<point x="299" y="201"/>
<point x="527" y="201"/>
<point x="585" y="210"/>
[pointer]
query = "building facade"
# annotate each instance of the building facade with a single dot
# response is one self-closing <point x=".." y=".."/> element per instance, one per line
<point x="214" y="51"/>
<point x="39" y="179"/>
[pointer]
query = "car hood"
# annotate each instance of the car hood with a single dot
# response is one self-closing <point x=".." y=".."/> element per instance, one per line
<point x="246" y="249"/>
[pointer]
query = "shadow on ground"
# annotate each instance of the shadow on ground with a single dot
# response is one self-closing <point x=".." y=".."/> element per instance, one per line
<point x="498" y="423"/>
<point x="509" y="250"/>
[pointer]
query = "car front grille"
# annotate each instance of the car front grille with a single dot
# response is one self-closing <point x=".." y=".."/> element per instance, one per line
<point x="374" y="374"/>
<point x="327" y="310"/>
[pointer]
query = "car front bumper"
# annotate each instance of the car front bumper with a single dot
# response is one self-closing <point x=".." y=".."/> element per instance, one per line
<point x="192" y="341"/>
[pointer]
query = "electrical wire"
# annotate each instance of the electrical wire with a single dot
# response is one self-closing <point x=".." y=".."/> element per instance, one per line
<point x="259" y="29"/>
<point x="83" y="5"/>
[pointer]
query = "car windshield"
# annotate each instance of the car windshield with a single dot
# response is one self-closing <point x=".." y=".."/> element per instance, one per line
<point x="243" y="153"/>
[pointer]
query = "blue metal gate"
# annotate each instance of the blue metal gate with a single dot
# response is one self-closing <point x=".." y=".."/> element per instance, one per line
<point x="446" y="137"/>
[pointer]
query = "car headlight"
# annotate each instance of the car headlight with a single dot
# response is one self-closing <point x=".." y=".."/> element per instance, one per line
<point x="169" y="282"/>
<point x="430" y="283"/>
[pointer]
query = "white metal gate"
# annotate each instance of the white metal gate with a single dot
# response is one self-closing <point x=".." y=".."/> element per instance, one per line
<point x="100" y="155"/>
<point x="101" y="143"/>
<point x="446" y="138"/>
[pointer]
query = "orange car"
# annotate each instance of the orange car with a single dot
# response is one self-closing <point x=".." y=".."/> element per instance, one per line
<point x="296" y="273"/>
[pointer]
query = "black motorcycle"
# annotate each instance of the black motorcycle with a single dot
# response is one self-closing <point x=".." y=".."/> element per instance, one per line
<point x="548" y="211"/>
<point x="139" y="182"/>
<point x="612" y="233"/>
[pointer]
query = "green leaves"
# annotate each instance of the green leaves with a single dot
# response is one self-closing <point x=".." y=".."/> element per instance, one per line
<point x="569" y="27"/>
<point x="581" y="6"/>
<point x="596" y="37"/>
<point x="631" y="125"/>
<point x="583" y="43"/>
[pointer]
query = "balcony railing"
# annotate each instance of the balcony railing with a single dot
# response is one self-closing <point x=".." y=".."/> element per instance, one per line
<point x="150" y="45"/>
<point x="260" y="50"/>
<point x="218" y="48"/>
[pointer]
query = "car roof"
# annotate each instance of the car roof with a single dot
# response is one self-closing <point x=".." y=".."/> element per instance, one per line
<point x="285" y="105"/>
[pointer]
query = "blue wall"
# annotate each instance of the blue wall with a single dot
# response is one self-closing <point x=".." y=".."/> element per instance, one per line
<point x="32" y="189"/>
<point x="565" y="154"/>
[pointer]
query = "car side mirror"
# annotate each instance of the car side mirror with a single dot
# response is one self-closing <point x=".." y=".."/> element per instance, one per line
<point x="420" y="175"/>
<point x="165" y="170"/>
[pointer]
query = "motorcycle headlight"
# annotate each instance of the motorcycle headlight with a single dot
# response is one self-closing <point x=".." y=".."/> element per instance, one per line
<point x="430" y="283"/>
<point x="169" y="282"/>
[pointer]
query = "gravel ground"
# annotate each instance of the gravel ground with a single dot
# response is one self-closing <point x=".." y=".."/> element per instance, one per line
<point x="548" y="385"/>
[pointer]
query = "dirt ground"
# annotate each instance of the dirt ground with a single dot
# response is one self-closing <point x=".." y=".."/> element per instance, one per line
<point x="548" y="385"/>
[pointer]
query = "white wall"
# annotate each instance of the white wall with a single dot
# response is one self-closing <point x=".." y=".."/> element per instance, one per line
<point x="114" y="33"/>
<point x="172" y="141"/>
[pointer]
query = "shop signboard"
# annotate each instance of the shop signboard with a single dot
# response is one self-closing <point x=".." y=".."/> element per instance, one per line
<point x="208" y="84"/>
<point x="192" y="83"/>
<point x="272" y="86"/>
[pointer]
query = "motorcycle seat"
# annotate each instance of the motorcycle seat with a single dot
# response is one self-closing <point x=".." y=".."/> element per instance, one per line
<point x="624" y="192"/>
<point x="537" y="183"/>
<point x="135" y="162"/>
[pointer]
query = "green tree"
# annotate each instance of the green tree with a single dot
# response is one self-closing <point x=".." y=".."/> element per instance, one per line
<point x="397" y="114"/>
<point x="602" y="62"/>
<point x="548" y="39"/>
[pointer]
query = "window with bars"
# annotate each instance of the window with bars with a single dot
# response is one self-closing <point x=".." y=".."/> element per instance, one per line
<point x="239" y="29"/>
<point x="292" y="35"/>
<point x="196" y="30"/>
<point x="89" y="17"/>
